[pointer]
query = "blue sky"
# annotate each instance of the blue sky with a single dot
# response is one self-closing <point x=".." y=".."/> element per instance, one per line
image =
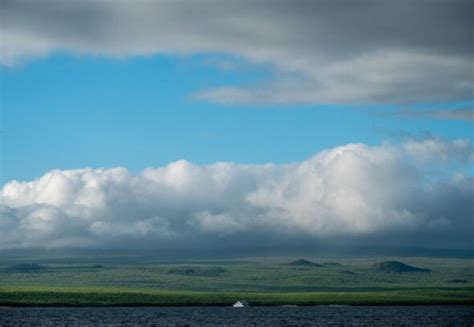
<point x="376" y="118"/>
<point x="67" y="111"/>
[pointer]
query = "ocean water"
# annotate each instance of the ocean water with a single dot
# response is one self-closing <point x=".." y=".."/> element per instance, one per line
<point x="250" y="316"/>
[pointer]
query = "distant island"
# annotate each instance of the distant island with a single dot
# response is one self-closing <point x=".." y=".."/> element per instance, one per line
<point x="275" y="281"/>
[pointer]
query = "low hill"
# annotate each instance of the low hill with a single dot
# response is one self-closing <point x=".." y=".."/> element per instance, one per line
<point x="212" y="271"/>
<point x="396" y="267"/>
<point x="348" y="272"/>
<point x="332" y="264"/>
<point x="25" y="267"/>
<point x="304" y="263"/>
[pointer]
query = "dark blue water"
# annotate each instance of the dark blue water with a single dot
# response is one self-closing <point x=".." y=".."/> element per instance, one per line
<point x="252" y="316"/>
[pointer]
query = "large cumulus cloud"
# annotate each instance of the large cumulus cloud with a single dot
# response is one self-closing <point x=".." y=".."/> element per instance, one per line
<point x="354" y="192"/>
<point x="321" y="51"/>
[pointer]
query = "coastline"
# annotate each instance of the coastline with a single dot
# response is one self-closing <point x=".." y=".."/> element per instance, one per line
<point x="112" y="297"/>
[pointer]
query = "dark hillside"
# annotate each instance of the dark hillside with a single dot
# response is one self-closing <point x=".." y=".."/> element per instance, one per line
<point x="396" y="267"/>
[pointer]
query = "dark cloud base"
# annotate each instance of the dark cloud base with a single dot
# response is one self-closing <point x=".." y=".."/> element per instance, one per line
<point x="322" y="51"/>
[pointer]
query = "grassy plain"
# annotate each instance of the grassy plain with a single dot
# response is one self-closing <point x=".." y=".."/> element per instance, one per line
<point x="262" y="281"/>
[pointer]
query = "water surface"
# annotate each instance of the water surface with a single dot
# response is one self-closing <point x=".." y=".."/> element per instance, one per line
<point x="251" y="316"/>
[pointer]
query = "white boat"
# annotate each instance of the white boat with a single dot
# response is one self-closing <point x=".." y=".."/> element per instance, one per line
<point x="241" y="304"/>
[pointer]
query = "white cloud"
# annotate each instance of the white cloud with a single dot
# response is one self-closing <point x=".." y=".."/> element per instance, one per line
<point x="354" y="191"/>
<point x="378" y="77"/>
<point x="322" y="51"/>
<point x="431" y="149"/>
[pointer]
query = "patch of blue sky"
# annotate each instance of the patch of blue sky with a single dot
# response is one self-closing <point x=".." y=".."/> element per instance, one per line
<point x="68" y="111"/>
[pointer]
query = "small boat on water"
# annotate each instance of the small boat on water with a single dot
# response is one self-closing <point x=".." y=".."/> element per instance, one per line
<point x="241" y="304"/>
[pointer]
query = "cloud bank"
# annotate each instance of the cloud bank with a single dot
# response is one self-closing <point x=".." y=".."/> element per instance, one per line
<point x="353" y="193"/>
<point x="321" y="51"/>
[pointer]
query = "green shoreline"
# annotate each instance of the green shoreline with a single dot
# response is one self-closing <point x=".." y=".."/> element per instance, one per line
<point x="64" y="296"/>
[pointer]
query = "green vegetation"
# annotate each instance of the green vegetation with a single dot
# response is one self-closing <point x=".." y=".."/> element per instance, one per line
<point x="211" y="271"/>
<point x="45" y="296"/>
<point x="261" y="281"/>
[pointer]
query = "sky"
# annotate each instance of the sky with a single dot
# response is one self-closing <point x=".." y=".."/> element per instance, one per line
<point x="153" y="124"/>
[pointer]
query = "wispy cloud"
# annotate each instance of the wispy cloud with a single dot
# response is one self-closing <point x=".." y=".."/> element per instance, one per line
<point x="322" y="51"/>
<point x="357" y="192"/>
